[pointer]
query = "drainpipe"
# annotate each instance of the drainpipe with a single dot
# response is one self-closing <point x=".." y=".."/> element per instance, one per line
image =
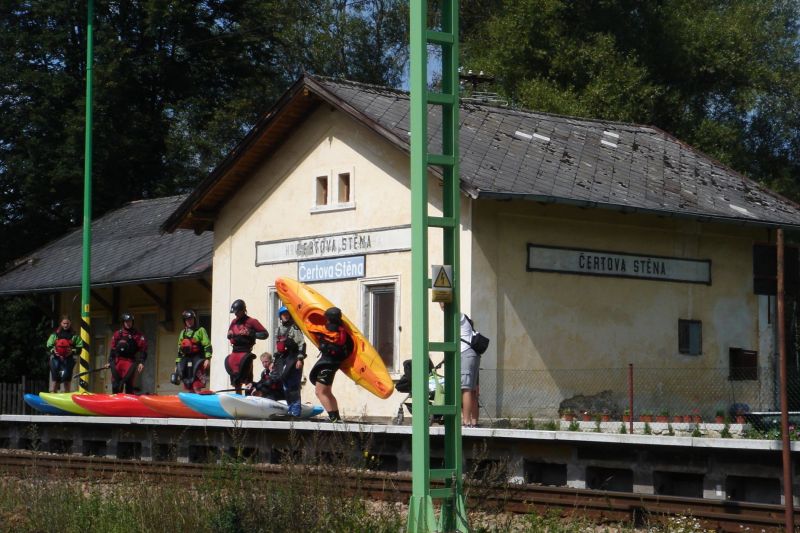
<point x="785" y="447"/>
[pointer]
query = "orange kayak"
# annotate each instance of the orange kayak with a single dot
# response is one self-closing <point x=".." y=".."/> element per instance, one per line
<point x="170" y="406"/>
<point x="364" y="365"/>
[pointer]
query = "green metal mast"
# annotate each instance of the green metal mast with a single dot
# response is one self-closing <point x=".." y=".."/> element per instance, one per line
<point x="421" y="516"/>
<point x="86" y="319"/>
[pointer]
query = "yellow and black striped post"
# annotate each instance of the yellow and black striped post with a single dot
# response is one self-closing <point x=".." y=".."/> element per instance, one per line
<point x="86" y="350"/>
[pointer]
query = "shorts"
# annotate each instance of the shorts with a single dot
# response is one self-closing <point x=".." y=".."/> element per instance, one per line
<point x="325" y="370"/>
<point x="470" y="366"/>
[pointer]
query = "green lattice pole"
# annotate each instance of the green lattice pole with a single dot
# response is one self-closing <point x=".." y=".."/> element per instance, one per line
<point x="421" y="516"/>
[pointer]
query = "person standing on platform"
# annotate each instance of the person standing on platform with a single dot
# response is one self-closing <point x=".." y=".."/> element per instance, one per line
<point x="127" y="357"/>
<point x="242" y="334"/>
<point x="334" y="346"/>
<point x="290" y="351"/>
<point x="63" y="344"/>
<point x="194" y="354"/>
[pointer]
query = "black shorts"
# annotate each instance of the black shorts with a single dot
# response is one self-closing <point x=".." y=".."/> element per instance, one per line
<point x="325" y="370"/>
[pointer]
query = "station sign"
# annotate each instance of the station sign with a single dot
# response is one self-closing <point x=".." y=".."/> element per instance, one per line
<point x="331" y="269"/>
<point x="617" y="264"/>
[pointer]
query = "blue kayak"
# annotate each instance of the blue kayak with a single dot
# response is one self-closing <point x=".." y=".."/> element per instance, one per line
<point x="42" y="406"/>
<point x="208" y="404"/>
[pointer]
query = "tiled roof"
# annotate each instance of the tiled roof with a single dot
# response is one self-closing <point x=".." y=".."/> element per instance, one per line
<point x="512" y="153"/>
<point x="127" y="247"/>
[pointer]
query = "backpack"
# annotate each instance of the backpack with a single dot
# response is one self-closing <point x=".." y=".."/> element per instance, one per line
<point x="479" y="343"/>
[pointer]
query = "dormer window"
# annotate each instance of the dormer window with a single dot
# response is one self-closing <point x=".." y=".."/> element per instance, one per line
<point x="333" y="190"/>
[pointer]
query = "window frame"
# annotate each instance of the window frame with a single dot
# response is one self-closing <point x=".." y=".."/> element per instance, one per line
<point x="367" y="286"/>
<point x="332" y="198"/>
<point x="685" y="343"/>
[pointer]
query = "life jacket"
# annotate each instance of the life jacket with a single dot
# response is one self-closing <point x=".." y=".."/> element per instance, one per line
<point x="241" y="336"/>
<point x="126" y="344"/>
<point x="64" y="344"/>
<point x="190" y="345"/>
<point x="332" y="343"/>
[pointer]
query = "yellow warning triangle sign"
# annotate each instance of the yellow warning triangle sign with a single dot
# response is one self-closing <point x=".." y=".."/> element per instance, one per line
<point x="442" y="281"/>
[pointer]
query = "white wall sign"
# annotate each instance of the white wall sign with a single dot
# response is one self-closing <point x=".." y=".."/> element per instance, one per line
<point x="616" y="264"/>
<point x="329" y="269"/>
<point x="334" y="245"/>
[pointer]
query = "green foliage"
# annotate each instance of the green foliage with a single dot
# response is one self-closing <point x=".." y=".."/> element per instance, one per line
<point x="721" y="75"/>
<point x="176" y="85"/>
<point x="574" y="425"/>
<point x="23" y="334"/>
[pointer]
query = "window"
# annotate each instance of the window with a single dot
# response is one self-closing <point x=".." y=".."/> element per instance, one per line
<point x="333" y="190"/>
<point x="743" y="364"/>
<point x="690" y="337"/>
<point x="344" y="188"/>
<point x="322" y="190"/>
<point x="380" y="320"/>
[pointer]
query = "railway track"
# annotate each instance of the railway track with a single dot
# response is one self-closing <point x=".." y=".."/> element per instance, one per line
<point x="600" y="506"/>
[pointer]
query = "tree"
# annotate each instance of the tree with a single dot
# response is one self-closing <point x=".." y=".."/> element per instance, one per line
<point x="176" y="85"/>
<point x="721" y="75"/>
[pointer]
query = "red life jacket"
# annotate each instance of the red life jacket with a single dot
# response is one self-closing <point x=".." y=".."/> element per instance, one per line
<point x="189" y="345"/>
<point x="63" y="347"/>
<point x="126" y="344"/>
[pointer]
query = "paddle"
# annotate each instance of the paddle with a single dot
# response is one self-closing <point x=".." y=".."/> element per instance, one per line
<point x="206" y="392"/>
<point x="76" y="376"/>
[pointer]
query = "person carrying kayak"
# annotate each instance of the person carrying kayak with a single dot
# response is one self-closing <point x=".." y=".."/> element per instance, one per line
<point x="242" y="334"/>
<point x="127" y="357"/>
<point x="194" y="354"/>
<point x="62" y="345"/>
<point x="290" y="351"/>
<point x="335" y="345"/>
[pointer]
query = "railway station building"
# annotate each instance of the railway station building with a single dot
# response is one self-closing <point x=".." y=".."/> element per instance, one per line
<point x="591" y="251"/>
<point x="587" y="246"/>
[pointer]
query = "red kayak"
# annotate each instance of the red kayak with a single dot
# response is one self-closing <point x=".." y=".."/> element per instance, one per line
<point x="116" y="405"/>
<point x="169" y="406"/>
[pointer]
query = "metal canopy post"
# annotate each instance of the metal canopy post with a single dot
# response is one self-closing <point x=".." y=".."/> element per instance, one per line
<point x="86" y="313"/>
<point x="421" y="516"/>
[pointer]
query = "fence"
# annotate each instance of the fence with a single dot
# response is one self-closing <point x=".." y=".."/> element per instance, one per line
<point x="672" y="392"/>
<point x="11" y="395"/>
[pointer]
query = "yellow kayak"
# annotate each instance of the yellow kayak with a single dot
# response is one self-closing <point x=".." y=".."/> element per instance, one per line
<point x="63" y="400"/>
<point x="364" y="365"/>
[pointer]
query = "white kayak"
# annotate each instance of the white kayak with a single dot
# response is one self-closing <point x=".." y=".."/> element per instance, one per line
<point x="258" y="408"/>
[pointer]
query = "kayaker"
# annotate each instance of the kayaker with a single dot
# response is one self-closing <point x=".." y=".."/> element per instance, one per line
<point x="334" y="345"/>
<point x="290" y="351"/>
<point x="194" y="354"/>
<point x="269" y="386"/>
<point x="127" y="357"/>
<point x="242" y="333"/>
<point x="62" y="345"/>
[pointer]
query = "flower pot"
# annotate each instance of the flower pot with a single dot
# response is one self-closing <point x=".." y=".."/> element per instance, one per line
<point x="719" y="419"/>
<point x="697" y="419"/>
<point x="586" y="417"/>
<point x="605" y="418"/>
<point x="678" y="419"/>
<point x="626" y="418"/>
<point x="740" y="419"/>
<point x="662" y="418"/>
<point x="645" y="418"/>
<point x="687" y="418"/>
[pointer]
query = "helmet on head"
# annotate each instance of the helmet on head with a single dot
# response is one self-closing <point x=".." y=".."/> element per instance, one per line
<point x="282" y="309"/>
<point x="124" y="317"/>
<point x="238" y="305"/>
<point x="189" y="313"/>
<point x="334" y="314"/>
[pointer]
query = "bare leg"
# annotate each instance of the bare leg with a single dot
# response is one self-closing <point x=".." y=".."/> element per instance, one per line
<point x="467" y="406"/>
<point x="326" y="397"/>
<point x="475" y="405"/>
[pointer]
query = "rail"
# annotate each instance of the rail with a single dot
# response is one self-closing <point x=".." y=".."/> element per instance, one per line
<point x="601" y="506"/>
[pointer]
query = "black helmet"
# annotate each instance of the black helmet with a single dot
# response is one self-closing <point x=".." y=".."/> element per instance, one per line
<point x="238" y="305"/>
<point x="127" y="315"/>
<point x="189" y="313"/>
<point x="334" y="315"/>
